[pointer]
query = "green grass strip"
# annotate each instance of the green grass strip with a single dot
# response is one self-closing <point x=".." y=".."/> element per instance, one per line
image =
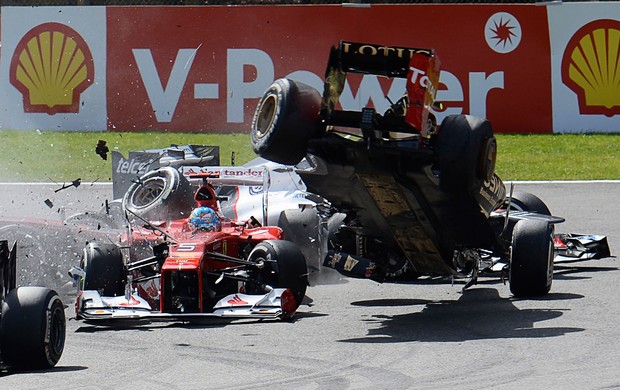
<point x="66" y="156"/>
<point x="559" y="157"/>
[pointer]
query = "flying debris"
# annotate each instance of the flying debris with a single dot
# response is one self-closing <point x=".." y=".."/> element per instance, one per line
<point x="75" y="183"/>
<point x="102" y="149"/>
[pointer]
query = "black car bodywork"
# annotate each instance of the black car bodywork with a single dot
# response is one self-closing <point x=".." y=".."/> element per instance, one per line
<point x="414" y="198"/>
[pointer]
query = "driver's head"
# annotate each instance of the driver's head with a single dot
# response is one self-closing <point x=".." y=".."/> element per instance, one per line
<point x="204" y="218"/>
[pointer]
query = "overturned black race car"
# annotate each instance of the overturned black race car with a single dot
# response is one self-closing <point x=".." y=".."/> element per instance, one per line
<point x="409" y="197"/>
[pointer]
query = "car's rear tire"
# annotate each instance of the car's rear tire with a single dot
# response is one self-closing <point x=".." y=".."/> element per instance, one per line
<point x="466" y="153"/>
<point x="160" y="195"/>
<point x="104" y="269"/>
<point x="286" y="118"/>
<point x="285" y="267"/>
<point x="524" y="201"/>
<point x="32" y="328"/>
<point x="531" y="262"/>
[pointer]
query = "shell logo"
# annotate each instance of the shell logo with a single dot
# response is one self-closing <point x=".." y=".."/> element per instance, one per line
<point x="591" y="67"/>
<point x="51" y="67"/>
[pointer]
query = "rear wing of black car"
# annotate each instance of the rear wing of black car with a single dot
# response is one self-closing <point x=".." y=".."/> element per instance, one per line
<point x="388" y="61"/>
<point x="419" y="66"/>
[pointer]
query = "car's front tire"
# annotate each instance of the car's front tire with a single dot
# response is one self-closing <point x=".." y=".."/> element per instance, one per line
<point x="531" y="260"/>
<point x="104" y="269"/>
<point x="284" y="267"/>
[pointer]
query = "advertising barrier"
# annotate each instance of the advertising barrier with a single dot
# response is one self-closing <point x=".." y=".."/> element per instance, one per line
<point x="585" y="54"/>
<point x="203" y="69"/>
<point x="52" y="68"/>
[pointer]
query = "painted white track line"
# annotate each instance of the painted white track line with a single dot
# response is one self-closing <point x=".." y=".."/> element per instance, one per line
<point x="564" y="182"/>
<point x="84" y="184"/>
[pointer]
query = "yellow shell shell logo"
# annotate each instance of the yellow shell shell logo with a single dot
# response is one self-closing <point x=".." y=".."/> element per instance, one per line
<point x="51" y="67"/>
<point x="591" y="67"/>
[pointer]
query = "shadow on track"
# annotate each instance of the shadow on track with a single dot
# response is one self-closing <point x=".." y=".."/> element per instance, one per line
<point x="57" y="369"/>
<point x="568" y="271"/>
<point x="477" y="315"/>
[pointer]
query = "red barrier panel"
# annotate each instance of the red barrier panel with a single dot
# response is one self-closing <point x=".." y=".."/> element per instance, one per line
<point x="204" y="68"/>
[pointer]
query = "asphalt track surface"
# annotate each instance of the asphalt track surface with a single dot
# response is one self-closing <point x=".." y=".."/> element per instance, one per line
<point x="357" y="334"/>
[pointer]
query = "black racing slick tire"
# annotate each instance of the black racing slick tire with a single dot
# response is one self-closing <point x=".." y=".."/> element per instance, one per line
<point x="285" y="267"/>
<point x="104" y="269"/>
<point x="160" y="195"/>
<point x="466" y="153"/>
<point x="531" y="262"/>
<point x="32" y="328"/>
<point x="524" y="201"/>
<point x="286" y="118"/>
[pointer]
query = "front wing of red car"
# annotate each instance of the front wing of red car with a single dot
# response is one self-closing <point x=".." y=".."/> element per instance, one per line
<point x="94" y="308"/>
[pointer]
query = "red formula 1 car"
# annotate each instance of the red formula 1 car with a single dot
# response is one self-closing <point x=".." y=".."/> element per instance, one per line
<point x="193" y="264"/>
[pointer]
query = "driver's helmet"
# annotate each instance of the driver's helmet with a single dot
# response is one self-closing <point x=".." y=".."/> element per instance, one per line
<point x="204" y="218"/>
